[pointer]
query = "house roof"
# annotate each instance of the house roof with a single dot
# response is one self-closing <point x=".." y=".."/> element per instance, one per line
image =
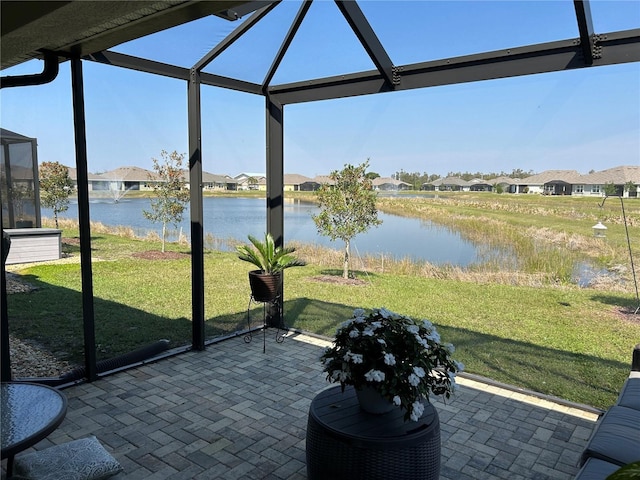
<point x="503" y="180"/>
<point x="450" y="181"/>
<point x="388" y="181"/>
<point x="128" y="174"/>
<point x="244" y="175"/>
<point x="216" y="178"/>
<point x="550" y="176"/>
<point x="324" y="179"/>
<point x="618" y="175"/>
<point x="73" y="174"/>
<point x="295" y="179"/>
<point x="481" y="181"/>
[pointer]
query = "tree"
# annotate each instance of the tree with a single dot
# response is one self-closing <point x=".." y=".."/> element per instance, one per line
<point x="347" y="208"/>
<point x="170" y="189"/>
<point x="55" y="187"/>
<point x="610" y="189"/>
<point x="630" y="187"/>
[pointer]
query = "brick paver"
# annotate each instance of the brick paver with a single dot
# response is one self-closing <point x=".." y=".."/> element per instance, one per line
<point x="234" y="412"/>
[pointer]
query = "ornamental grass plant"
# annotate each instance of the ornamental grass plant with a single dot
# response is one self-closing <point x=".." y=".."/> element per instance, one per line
<point x="267" y="257"/>
<point x="402" y="359"/>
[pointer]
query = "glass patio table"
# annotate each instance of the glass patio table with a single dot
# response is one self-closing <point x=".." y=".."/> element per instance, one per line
<point x="29" y="413"/>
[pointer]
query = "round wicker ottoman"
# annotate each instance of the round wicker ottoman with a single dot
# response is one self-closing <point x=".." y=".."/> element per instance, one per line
<point x="343" y="442"/>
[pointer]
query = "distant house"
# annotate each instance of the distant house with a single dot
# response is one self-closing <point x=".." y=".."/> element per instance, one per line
<point x="251" y="181"/>
<point x="626" y="180"/>
<point x="94" y="179"/>
<point x="261" y="185"/>
<point x="430" y="186"/>
<point x="451" y="184"/>
<point x="211" y="181"/>
<point x="480" y="185"/>
<point x="549" y="182"/>
<point x="506" y="183"/>
<point x="323" y="179"/>
<point x="388" y="183"/>
<point x="124" y="179"/>
<point x="294" y="182"/>
<point x="310" y="185"/>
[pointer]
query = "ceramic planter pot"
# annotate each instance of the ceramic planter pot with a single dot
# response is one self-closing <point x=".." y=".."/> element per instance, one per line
<point x="372" y="401"/>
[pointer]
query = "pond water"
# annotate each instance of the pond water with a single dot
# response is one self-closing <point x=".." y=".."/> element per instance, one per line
<point x="235" y="218"/>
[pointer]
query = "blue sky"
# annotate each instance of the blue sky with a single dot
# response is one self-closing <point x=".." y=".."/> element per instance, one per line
<point x="583" y="120"/>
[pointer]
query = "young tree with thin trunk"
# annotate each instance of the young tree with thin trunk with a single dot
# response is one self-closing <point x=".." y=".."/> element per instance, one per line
<point x="170" y="190"/>
<point x="347" y="208"/>
<point x="55" y="187"/>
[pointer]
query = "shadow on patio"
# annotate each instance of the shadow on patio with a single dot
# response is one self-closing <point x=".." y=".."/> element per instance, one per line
<point x="234" y="412"/>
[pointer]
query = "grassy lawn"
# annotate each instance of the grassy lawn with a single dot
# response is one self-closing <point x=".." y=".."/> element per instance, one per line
<point x="556" y="339"/>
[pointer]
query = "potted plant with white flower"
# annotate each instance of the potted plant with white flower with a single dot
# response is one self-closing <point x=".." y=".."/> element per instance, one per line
<point x="401" y="360"/>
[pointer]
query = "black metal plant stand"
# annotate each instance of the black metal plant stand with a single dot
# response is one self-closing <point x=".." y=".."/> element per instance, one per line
<point x="626" y="230"/>
<point x="279" y="332"/>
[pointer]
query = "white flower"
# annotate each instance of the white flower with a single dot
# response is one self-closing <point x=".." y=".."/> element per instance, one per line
<point x="395" y="316"/>
<point x="419" y="371"/>
<point x="418" y="409"/>
<point x="413" y="329"/>
<point x="374" y="376"/>
<point x="345" y="324"/>
<point x="434" y="336"/>
<point x="422" y="341"/>
<point x="339" y="376"/>
<point x="418" y="358"/>
<point x="389" y="359"/>
<point x="352" y="357"/>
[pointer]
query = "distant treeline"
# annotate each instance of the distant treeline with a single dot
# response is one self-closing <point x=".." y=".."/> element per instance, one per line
<point x="416" y="178"/>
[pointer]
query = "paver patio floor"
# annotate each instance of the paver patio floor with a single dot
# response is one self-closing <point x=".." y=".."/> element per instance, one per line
<point x="234" y="412"/>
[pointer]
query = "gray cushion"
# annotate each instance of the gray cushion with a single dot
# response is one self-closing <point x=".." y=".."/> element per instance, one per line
<point x="595" y="469"/>
<point x="84" y="459"/>
<point x="616" y="438"/>
<point x="630" y="393"/>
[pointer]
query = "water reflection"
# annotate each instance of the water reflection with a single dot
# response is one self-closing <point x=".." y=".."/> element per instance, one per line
<point x="235" y="218"/>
